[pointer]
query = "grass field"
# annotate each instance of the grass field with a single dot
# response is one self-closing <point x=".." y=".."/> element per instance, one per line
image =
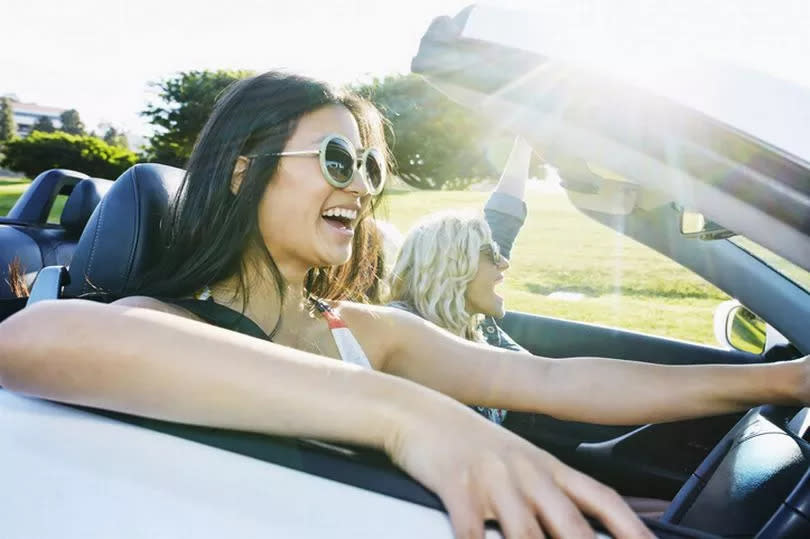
<point x="10" y="189"/>
<point x="621" y="283"/>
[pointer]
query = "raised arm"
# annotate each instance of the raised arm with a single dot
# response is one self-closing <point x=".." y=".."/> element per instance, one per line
<point x="595" y="390"/>
<point x="145" y="362"/>
<point x="505" y="209"/>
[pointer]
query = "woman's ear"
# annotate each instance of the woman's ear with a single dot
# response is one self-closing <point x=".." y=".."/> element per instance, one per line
<point x="239" y="171"/>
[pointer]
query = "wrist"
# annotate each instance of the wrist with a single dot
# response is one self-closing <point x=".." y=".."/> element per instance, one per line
<point x="793" y="381"/>
<point x="785" y="382"/>
<point x="409" y="414"/>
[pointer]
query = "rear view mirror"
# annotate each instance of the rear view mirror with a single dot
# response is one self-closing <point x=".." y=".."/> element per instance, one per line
<point x="695" y="225"/>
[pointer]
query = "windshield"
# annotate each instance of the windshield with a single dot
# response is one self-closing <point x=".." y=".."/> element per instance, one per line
<point x="787" y="269"/>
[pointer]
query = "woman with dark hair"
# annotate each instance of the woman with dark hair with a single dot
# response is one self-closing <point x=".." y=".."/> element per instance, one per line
<point x="275" y="198"/>
<point x="250" y="125"/>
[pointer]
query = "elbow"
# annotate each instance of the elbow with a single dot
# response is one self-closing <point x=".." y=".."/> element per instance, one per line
<point x="23" y="337"/>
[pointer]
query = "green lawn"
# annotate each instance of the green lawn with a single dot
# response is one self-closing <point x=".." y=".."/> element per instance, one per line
<point x="10" y="189"/>
<point x="622" y="283"/>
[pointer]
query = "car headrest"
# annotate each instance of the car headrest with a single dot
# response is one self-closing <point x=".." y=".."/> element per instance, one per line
<point x="122" y="237"/>
<point x="35" y="202"/>
<point x="80" y="204"/>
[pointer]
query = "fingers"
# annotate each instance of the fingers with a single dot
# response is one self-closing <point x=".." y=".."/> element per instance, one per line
<point x="558" y="514"/>
<point x="465" y="513"/>
<point x="527" y="501"/>
<point x="603" y="503"/>
<point x="513" y="513"/>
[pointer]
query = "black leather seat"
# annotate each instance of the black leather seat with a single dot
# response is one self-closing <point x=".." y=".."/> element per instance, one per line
<point x="122" y="236"/>
<point x="81" y="203"/>
<point x="36" y="244"/>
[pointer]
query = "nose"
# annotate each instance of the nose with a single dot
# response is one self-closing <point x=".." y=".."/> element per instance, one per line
<point x="359" y="185"/>
<point x="503" y="264"/>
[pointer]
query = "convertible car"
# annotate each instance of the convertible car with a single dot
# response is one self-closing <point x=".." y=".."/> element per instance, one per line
<point x="718" y="181"/>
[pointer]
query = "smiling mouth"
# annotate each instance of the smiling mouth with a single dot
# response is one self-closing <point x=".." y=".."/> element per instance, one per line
<point x="339" y="222"/>
<point x="341" y="218"/>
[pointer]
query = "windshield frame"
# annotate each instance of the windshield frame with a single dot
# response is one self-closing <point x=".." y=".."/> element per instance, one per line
<point x="768" y="257"/>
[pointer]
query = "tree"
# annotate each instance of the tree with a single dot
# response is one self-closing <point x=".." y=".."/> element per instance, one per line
<point x="71" y="123"/>
<point x="44" y="124"/>
<point x="40" y="151"/>
<point x="114" y="137"/>
<point x="8" y="128"/>
<point x="186" y="101"/>
<point x="436" y="143"/>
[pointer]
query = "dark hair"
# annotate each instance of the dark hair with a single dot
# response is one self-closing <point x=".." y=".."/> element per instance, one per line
<point x="209" y="230"/>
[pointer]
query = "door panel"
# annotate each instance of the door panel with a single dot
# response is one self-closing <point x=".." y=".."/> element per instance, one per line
<point x="553" y="337"/>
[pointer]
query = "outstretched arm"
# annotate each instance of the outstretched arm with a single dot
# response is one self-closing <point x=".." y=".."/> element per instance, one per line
<point x="595" y="390"/>
<point x="146" y="362"/>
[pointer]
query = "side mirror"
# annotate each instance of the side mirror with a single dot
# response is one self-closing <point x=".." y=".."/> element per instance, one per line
<point x="735" y="327"/>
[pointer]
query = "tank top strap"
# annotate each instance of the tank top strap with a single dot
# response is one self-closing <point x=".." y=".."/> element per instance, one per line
<point x="219" y="315"/>
<point x="204" y="306"/>
<point x="349" y="349"/>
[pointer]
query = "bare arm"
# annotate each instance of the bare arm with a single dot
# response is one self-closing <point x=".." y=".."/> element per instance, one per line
<point x="596" y="390"/>
<point x="152" y="363"/>
<point x="155" y="364"/>
<point x="505" y="209"/>
<point x="513" y="178"/>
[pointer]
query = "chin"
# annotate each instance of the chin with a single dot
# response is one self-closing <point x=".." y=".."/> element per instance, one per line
<point x="336" y="258"/>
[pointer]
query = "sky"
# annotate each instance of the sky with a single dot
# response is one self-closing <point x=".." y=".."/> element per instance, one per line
<point x="99" y="56"/>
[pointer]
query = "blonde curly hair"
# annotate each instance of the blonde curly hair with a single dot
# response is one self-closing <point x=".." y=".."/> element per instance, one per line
<point x="437" y="261"/>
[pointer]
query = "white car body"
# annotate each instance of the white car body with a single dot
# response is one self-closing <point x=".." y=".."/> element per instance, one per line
<point x="69" y="473"/>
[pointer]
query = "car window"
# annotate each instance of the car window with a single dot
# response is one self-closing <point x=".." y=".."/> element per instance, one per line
<point x="785" y="268"/>
<point x="566" y="265"/>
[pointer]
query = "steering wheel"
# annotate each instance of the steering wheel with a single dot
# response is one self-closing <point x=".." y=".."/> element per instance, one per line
<point x="755" y="482"/>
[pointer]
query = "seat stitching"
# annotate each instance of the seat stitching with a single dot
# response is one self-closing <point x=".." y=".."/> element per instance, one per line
<point x="93" y="245"/>
<point x="136" y="235"/>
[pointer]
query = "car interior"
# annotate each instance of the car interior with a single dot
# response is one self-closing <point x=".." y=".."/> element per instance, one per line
<point x="738" y="474"/>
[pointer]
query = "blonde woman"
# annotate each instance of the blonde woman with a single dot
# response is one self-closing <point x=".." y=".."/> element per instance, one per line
<point x="504" y="215"/>
<point x="447" y="272"/>
<point x="450" y="263"/>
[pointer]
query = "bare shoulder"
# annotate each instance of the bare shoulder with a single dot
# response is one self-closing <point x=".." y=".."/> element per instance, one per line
<point x="378" y="317"/>
<point x="145" y="302"/>
<point x="379" y="329"/>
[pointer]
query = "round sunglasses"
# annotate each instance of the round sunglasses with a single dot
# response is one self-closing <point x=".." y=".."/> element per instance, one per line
<point x="339" y="163"/>
<point x="492" y="252"/>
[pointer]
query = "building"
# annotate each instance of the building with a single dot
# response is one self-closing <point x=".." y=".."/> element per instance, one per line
<point x="27" y="114"/>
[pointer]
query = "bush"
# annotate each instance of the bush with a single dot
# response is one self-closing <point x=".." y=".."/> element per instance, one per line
<point x="40" y="151"/>
<point x="185" y="103"/>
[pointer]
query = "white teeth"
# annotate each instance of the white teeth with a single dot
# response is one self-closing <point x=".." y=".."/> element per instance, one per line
<point x="340" y="212"/>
